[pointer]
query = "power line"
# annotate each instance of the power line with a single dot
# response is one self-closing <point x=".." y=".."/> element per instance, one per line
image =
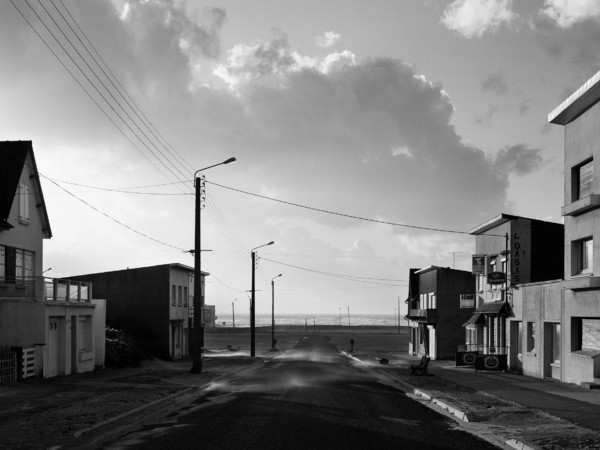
<point x="336" y="275"/>
<point x="349" y="216"/>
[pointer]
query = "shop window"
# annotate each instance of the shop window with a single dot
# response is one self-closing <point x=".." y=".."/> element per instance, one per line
<point x="531" y="337"/>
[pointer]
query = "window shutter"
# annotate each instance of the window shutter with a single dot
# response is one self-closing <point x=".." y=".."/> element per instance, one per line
<point x="2" y="263"/>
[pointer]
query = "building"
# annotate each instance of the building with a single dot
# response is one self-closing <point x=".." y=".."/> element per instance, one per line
<point x="51" y="323"/>
<point x="575" y="319"/>
<point x="153" y="303"/>
<point x="510" y="251"/>
<point x="440" y="301"/>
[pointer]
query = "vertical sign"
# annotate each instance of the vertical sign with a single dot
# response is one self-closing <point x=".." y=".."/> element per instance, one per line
<point x="478" y="264"/>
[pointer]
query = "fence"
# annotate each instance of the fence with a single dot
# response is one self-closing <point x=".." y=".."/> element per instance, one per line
<point x="8" y="365"/>
<point x="28" y="362"/>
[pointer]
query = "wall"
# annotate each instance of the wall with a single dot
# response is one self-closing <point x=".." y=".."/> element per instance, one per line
<point x="21" y="322"/>
<point x="137" y="301"/>
<point x="540" y="303"/>
<point x="450" y="332"/>
<point x="99" y="325"/>
<point x="30" y="236"/>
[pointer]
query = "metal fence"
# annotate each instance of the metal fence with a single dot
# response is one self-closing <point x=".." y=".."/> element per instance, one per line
<point x="8" y="365"/>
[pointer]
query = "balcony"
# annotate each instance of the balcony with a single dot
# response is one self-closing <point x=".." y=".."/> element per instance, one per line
<point x="422" y="315"/>
<point x="51" y="289"/>
<point x="581" y="205"/>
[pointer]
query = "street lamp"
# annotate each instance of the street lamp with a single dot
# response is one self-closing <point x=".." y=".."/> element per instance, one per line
<point x="273" y="342"/>
<point x="253" y="302"/>
<point x="198" y="336"/>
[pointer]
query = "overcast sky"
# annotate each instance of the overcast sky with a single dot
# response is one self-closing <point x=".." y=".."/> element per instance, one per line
<point x="361" y="129"/>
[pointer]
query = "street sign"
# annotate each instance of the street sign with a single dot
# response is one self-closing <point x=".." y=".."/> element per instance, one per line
<point x="496" y="278"/>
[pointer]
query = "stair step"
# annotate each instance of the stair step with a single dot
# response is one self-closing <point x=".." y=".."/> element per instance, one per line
<point x="590" y="385"/>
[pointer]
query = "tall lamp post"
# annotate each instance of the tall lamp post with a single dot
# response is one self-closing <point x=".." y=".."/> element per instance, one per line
<point x="273" y="343"/>
<point x="198" y="339"/>
<point x="253" y="303"/>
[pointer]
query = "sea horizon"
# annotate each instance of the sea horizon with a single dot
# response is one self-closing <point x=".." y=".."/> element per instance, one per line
<point x="261" y="320"/>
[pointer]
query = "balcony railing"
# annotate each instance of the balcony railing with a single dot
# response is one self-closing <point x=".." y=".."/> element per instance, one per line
<point x="51" y="289"/>
<point x="484" y="350"/>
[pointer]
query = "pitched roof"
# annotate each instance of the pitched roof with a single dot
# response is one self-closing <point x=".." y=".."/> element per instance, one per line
<point x="13" y="157"/>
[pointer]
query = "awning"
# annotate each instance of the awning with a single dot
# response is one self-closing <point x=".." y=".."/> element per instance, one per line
<point x="475" y="318"/>
<point x="494" y="309"/>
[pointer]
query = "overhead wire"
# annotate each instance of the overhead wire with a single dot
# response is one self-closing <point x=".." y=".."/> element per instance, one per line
<point x="141" y="135"/>
<point x="106" y="89"/>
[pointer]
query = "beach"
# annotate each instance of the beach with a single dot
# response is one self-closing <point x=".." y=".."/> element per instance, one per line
<point x="367" y="339"/>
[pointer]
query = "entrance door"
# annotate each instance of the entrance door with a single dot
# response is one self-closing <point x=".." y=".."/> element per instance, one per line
<point x="53" y="353"/>
<point x="516" y="345"/>
<point x="432" y="342"/>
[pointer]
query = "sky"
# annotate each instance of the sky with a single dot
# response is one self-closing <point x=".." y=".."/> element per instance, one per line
<point x="370" y="137"/>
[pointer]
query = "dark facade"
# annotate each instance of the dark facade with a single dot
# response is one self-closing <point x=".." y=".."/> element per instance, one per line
<point x="153" y="303"/>
<point x="437" y="310"/>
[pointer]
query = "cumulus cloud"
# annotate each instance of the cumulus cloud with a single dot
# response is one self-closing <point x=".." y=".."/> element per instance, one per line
<point x="473" y="18"/>
<point x="378" y="122"/>
<point x="327" y="39"/>
<point x="569" y="12"/>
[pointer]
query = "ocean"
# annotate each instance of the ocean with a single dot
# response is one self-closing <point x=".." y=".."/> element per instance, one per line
<point x="263" y="320"/>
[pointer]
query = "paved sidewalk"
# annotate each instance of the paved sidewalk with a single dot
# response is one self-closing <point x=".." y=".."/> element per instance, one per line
<point x="530" y="413"/>
<point x="567" y="401"/>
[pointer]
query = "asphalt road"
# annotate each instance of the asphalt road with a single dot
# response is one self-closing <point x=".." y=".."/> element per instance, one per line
<point x="309" y="397"/>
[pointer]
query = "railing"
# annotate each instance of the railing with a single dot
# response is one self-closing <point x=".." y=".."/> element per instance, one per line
<point x="53" y="289"/>
<point x="484" y="350"/>
<point x="67" y="290"/>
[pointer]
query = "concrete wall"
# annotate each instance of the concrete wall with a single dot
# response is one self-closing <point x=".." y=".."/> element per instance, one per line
<point x="541" y="304"/>
<point x="139" y="302"/>
<point x="99" y="322"/>
<point x="22" y="322"/>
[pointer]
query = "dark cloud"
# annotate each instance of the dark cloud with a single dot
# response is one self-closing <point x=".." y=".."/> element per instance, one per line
<point x="496" y="83"/>
<point x="519" y="159"/>
<point x="578" y="44"/>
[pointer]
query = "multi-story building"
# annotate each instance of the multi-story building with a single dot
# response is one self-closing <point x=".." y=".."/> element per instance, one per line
<point x="55" y="322"/>
<point x="154" y="303"/>
<point x="510" y="250"/>
<point x="575" y="321"/>
<point x="440" y="300"/>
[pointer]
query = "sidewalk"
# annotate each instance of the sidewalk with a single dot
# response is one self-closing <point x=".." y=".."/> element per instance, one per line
<point x="46" y="413"/>
<point x="529" y="412"/>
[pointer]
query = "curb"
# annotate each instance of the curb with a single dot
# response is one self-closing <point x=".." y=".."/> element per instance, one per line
<point x="461" y="415"/>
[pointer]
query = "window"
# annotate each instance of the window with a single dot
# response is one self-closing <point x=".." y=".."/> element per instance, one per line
<point x="480" y="282"/>
<point x="583" y="255"/>
<point x="15" y="264"/>
<point x="23" y="193"/>
<point x="555" y="337"/>
<point x="432" y="300"/>
<point x="531" y="337"/>
<point x="185" y="296"/>
<point x="583" y="177"/>
<point x="173" y="295"/>
<point x="179" y="296"/>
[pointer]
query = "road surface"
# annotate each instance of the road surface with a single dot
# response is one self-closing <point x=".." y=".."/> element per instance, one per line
<point x="309" y="397"/>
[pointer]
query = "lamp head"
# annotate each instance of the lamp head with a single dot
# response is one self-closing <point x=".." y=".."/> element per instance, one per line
<point x="230" y="160"/>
